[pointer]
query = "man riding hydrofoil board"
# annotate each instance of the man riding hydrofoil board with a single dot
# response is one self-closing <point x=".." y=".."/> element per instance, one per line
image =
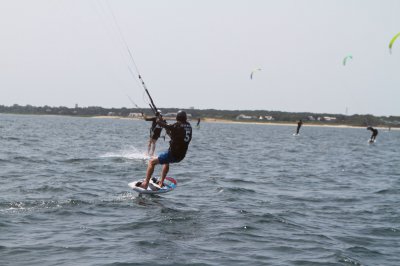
<point x="155" y="132"/>
<point x="181" y="135"/>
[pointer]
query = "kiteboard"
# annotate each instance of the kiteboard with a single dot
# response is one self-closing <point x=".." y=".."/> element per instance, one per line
<point x="153" y="188"/>
<point x="370" y="141"/>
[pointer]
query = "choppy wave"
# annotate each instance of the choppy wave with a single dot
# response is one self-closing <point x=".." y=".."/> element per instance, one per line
<point x="128" y="153"/>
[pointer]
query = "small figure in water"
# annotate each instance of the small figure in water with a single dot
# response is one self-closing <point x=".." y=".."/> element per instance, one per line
<point x="374" y="134"/>
<point x="155" y="132"/>
<point x="198" y="123"/>
<point x="299" y="124"/>
<point x="181" y="135"/>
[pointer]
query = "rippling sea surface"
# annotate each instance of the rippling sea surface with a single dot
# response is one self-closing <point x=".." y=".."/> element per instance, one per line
<point x="247" y="195"/>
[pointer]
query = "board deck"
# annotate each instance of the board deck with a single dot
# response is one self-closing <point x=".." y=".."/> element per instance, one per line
<point x="153" y="188"/>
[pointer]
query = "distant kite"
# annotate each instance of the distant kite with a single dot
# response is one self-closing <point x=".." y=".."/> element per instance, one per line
<point x="252" y="72"/>
<point x="392" y="41"/>
<point x="347" y="58"/>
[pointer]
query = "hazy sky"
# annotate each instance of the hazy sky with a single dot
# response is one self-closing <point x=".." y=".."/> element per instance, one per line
<point x="201" y="53"/>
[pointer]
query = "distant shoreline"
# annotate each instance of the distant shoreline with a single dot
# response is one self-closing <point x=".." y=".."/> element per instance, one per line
<point x="227" y="121"/>
<point x="265" y="117"/>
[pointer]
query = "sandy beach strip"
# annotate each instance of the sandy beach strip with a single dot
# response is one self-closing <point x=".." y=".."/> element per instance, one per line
<point x="226" y="121"/>
<point x="294" y="124"/>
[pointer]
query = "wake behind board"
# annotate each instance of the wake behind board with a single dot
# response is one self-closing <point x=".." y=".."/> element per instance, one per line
<point x="153" y="188"/>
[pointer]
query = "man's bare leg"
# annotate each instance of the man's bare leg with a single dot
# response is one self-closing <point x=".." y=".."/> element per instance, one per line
<point x="149" y="173"/>
<point x="164" y="173"/>
<point x="153" y="147"/>
<point x="149" y="147"/>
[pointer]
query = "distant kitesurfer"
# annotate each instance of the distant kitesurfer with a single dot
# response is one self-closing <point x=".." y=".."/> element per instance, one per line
<point x="198" y="122"/>
<point x="374" y="134"/>
<point x="181" y="135"/>
<point x="299" y="124"/>
<point x="155" y="132"/>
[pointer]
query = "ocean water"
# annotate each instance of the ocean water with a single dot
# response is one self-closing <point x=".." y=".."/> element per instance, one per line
<point x="247" y="195"/>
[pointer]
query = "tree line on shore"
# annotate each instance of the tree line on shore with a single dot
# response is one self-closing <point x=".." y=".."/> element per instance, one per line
<point x="234" y="115"/>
